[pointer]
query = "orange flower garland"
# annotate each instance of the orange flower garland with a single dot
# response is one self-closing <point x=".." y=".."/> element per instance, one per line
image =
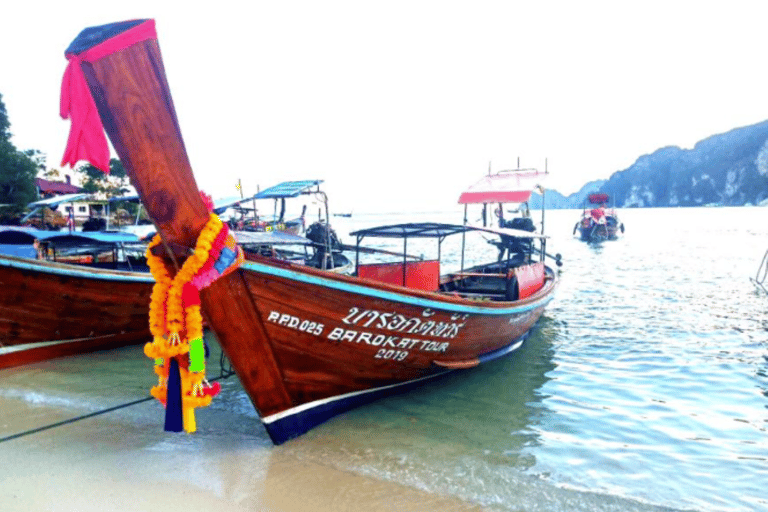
<point x="175" y="320"/>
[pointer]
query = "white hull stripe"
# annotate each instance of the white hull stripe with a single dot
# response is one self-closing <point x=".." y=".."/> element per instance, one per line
<point x="28" y="346"/>
<point x="503" y="352"/>
<point x="318" y="403"/>
<point x="75" y="271"/>
<point x="391" y="296"/>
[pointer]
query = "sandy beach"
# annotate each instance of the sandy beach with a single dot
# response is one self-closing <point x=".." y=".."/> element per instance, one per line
<point x="123" y="460"/>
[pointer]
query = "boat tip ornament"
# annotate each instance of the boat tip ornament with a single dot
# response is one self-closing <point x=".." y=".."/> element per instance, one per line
<point x="175" y="320"/>
<point x="87" y="140"/>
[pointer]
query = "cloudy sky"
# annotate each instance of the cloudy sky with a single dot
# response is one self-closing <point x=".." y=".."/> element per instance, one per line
<point x="402" y="104"/>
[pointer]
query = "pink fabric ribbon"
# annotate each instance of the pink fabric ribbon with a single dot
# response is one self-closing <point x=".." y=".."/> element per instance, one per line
<point x="86" y="134"/>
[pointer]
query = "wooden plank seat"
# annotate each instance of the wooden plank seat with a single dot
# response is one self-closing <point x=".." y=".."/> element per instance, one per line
<point x="477" y="295"/>
<point x="477" y="274"/>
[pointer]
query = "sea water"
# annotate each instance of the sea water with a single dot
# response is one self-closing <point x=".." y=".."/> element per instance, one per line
<point x="644" y="387"/>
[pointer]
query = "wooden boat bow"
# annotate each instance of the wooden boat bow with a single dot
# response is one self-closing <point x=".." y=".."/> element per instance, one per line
<point x="135" y="105"/>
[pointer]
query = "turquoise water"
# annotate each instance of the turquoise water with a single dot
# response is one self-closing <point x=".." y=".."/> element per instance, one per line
<point x="643" y="388"/>
<point x="646" y="383"/>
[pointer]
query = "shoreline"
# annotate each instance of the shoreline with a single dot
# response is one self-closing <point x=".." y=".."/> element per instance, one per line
<point x="119" y="458"/>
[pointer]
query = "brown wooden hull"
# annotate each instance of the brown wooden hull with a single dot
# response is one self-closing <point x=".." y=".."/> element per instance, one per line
<point x="51" y="309"/>
<point x="331" y="342"/>
<point x="295" y="335"/>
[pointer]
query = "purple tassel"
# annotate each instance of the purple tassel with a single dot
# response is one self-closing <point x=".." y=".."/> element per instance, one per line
<point x="174" y="421"/>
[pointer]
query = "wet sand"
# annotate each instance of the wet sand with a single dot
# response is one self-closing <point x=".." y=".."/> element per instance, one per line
<point x="123" y="460"/>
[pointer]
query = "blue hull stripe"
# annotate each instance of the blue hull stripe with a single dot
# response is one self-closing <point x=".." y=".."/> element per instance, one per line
<point x="391" y="296"/>
<point x="74" y="271"/>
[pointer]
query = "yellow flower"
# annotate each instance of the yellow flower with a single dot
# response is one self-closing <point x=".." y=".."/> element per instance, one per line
<point x="168" y="319"/>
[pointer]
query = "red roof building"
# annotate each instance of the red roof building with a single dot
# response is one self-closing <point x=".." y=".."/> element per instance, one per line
<point x="47" y="188"/>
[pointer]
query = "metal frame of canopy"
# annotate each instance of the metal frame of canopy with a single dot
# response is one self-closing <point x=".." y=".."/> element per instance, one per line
<point x="404" y="231"/>
<point x="430" y="230"/>
<point x="503" y="187"/>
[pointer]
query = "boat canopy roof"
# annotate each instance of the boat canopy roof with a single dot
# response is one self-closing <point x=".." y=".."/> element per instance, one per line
<point x="288" y="189"/>
<point x="436" y="230"/>
<point x="598" y="198"/>
<point x="411" y="230"/>
<point x="53" y="202"/>
<point x="270" y="238"/>
<point x="221" y="205"/>
<point x="511" y="186"/>
<point x="125" y="199"/>
<point x="22" y="234"/>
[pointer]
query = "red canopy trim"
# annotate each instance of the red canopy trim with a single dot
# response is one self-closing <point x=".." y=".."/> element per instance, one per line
<point x="598" y="198"/>
<point x="87" y="140"/>
<point x="519" y="196"/>
<point x="504" y="187"/>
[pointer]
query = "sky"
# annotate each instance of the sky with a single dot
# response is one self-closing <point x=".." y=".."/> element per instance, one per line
<point x="401" y="105"/>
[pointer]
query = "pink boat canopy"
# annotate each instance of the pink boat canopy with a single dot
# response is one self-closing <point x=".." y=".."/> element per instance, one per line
<point x="513" y="186"/>
<point x="598" y="198"/>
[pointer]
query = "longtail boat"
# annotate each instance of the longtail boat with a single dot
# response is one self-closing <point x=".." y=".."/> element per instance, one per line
<point x="252" y="218"/>
<point x="598" y="221"/>
<point x="52" y="309"/>
<point x="306" y="344"/>
<point x="319" y="236"/>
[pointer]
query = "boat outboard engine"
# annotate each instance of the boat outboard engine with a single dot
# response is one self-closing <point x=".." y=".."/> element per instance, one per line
<point x="95" y="224"/>
<point x="516" y="245"/>
<point x="325" y="243"/>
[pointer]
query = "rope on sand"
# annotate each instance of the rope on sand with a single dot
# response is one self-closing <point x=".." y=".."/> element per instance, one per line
<point x="82" y="417"/>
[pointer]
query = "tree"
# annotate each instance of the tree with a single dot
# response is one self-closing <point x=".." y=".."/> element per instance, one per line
<point x="114" y="184"/>
<point x="96" y="181"/>
<point x="17" y="168"/>
<point x="5" y="124"/>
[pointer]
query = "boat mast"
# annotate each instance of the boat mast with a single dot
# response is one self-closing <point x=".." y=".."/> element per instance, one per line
<point x="463" y="238"/>
<point x="543" y="204"/>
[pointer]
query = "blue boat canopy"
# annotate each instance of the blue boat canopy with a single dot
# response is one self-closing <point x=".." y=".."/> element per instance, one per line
<point x="270" y="238"/>
<point x="22" y="234"/>
<point x="53" y="202"/>
<point x="125" y="199"/>
<point x="221" y="205"/>
<point x="288" y="189"/>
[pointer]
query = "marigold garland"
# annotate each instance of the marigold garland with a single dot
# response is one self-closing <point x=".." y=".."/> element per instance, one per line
<point x="175" y="320"/>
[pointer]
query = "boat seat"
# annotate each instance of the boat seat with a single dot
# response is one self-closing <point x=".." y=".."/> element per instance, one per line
<point x="476" y="295"/>
<point x="477" y="274"/>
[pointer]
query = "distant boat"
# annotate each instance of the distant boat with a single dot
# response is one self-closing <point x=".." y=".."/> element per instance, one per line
<point x="250" y="217"/>
<point x="342" y="214"/>
<point x="275" y="236"/>
<point x="308" y="344"/>
<point x="64" y="295"/>
<point x="598" y="222"/>
<point x="761" y="274"/>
